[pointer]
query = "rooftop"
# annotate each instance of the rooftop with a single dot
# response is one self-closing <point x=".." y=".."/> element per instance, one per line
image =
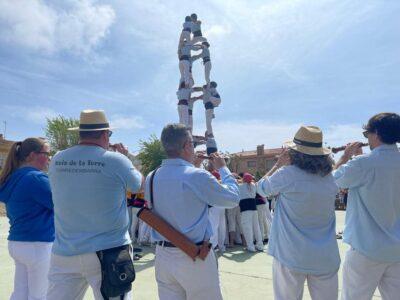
<point x="267" y="152"/>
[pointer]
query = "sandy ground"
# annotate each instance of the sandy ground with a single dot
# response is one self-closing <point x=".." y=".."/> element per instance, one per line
<point x="243" y="275"/>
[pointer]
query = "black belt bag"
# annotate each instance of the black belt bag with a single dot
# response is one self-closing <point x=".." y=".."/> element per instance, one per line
<point x="117" y="271"/>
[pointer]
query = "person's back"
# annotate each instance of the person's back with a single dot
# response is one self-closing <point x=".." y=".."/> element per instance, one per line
<point x="306" y="207"/>
<point x="303" y="238"/>
<point x="373" y="211"/>
<point x="178" y="180"/>
<point x="89" y="199"/>
<point x="90" y="185"/>
<point x="180" y="193"/>
<point x="378" y="190"/>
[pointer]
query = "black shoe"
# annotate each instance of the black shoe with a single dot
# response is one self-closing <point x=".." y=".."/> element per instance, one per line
<point x="265" y="241"/>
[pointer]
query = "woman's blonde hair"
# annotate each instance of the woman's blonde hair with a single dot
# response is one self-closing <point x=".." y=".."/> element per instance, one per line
<point x="18" y="153"/>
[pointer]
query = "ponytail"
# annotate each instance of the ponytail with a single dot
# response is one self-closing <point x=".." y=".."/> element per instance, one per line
<point x="18" y="153"/>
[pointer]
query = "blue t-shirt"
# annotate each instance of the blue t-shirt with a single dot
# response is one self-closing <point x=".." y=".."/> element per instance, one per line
<point x="89" y="186"/>
<point x="27" y="197"/>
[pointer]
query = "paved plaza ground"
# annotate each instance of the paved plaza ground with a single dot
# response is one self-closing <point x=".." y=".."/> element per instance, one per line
<point x="243" y="275"/>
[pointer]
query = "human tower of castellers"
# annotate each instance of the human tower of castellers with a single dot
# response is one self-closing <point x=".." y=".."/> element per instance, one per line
<point x="239" y="219"/>
<point x="191" y="39"/>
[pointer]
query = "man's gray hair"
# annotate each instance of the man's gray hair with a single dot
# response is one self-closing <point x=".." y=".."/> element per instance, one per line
<point x="173" y="138"/>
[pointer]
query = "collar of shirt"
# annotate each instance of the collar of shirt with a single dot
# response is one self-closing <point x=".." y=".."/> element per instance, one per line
<point x="176" y="162"/>
<point x="385" y="147"/>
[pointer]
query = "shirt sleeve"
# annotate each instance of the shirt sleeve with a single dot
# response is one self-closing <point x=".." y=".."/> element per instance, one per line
<point x="41" y="192"/>
<point x="131" y="177"/>
<point x="147" y="189"/>
<point x="207" y="188"/>
<point x="350" y="175"/>
<point x="274" y="184"/>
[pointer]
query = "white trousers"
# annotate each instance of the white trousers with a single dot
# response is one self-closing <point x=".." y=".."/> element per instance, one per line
<point x="362" y="275"/>
<point x="218" y="223"/>
<point x="134" y="223"/>
<point x="70" y="276"/>
<point x="209" y="117"/>
<point x="179" y="277"/>
<point x="183" y="112"/>
<point x="32" y="261"/>
<point x="184" y="68"/>
<point x="251" y="229"/>
<point x="144" y="232"/>
<point x="207" y="70"/>
<point x="234" y="223"/>
<point x="264" y="219"/>
<point x="289" y="285"/>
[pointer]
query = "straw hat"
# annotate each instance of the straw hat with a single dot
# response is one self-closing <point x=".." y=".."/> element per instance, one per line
<point x="308" y="140"/>
<point x="92" y="120"/>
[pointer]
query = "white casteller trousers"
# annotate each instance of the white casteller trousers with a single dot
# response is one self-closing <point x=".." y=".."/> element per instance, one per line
<point x="70" y="276"/>
<point x="264" y="219"/>
<point x="184" y="68"/>
<point x="134" y="223"/>
<point x="207" y="70"/>
<point x="251" y="230"/>
<point x="218" y="224"/>
<point x="362" y="275"/>
<point x="234" y="223"/>
<point x="32" y="262"/>
<point x="209" y="117"/>
<point x="183" y="112"/>
<point x="289" y="285"/>
<point x="180" y="278"/>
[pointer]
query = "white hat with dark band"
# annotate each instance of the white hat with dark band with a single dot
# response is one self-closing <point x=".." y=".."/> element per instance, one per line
<point x="308" y="140"/>
<point x="92" y="120"/>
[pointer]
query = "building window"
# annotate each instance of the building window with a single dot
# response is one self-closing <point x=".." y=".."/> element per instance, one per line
<point x="251" y="164"/>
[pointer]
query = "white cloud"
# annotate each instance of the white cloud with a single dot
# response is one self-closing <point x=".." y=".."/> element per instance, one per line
<point x="77" y="27"/>
<point x="33" y="114"/>
<point x="127" y="122"/>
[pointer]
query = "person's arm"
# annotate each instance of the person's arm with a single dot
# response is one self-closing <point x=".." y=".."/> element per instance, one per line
<point x="350" y="174"/>
<point x="352" y="149"/>
<point x="209" y="190"/>
<point x="270" y="184"/>
<point x="196" y="57"/>
<point x="196" y="98"/>
<point x="40" y="190"/>
<point x="197" y="89"/>
<point x="131" y="177"/>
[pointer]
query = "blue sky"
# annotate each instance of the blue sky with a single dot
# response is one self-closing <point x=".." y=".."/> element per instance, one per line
<point x="278" y="64"/>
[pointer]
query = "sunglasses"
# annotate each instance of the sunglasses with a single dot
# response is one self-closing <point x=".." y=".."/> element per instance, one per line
<point x="44" y="152"/>
<point x="365" y="133"/>
<point x="110" y="133"/>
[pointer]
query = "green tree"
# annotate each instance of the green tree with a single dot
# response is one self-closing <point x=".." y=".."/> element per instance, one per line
<point x="151" y="154"/>
<point x="58" y="135"/>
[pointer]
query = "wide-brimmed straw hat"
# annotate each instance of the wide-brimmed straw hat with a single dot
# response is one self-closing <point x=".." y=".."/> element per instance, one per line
<point x="308" y="140"/>
<point x="92" y="120"/>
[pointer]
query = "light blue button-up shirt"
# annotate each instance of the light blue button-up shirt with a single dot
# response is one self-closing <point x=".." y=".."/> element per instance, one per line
<point x="373" y="207"/>
<point x="303" y="236"/>
<point x="182" y="193"/>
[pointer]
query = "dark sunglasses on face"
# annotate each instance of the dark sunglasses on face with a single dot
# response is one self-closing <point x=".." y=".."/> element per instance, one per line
<point x="365" y="133"/>
<point x="44" y="152"/>
<point x="110" y="133"/>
